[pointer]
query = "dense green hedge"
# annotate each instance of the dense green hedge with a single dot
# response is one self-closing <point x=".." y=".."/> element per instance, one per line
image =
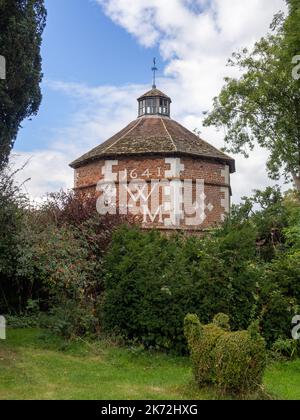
<point x="152" y="282"/>
<point x="249" y="270"/>
<point x="233" y="361"/>
<point x="60" y="258"/>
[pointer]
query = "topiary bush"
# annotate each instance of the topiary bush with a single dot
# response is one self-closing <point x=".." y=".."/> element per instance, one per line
<point x="222" y="321"/>
<point x="202" y="340"/>
<point x="232" y="361"/>
<point x="240" y="361"/>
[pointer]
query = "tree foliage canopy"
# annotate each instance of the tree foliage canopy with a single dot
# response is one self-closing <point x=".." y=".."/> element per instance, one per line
<point x="21" y="26"/>
<point x="263" y="105"/>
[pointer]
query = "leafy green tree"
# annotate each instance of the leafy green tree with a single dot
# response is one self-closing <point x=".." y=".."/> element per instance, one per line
<point x="21" y="26"/>
<point x="291" y="30"/>
<point x="12" y="207"/>
<point x="263" y="105"/>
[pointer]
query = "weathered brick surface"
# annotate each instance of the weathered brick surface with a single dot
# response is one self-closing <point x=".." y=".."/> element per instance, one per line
<point x="215" y="176"/>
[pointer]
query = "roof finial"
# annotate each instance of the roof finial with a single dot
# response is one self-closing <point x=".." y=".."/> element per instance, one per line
<point x="154" y="69"/>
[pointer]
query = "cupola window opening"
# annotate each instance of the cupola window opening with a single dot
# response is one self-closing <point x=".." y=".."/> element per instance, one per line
<point x="164" y="107"/>
<point x="154" y="105"/>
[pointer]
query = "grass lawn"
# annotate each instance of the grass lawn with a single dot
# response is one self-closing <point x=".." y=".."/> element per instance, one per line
<point x="35" y="365"/>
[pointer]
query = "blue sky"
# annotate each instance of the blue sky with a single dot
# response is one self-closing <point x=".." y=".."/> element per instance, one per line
<point x="82" y="45"/>
<point x="97" y="58"/>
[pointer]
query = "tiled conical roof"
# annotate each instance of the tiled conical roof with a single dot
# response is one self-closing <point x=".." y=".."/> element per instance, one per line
<point x="154" y="135"/>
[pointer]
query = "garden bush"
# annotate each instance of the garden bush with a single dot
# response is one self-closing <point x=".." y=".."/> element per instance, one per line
<point x="248" y="269"/>
<point x="142" y="284"/>
<point x="233" y="361"/>
<point x="12" y="209"/>
<point x="240" y="360"/>
<point x="276" y="311"/>
<point x="201" y="341"/>
<point x="152" y="282"/>
<point x="279" y="295"/>
<point x="289" y="349"/>
<point x="66" y="256"/>
<point x="52" y="254"/>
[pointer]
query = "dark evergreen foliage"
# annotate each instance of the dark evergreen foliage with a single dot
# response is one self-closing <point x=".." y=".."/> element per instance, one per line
<point x="21" y="26"/>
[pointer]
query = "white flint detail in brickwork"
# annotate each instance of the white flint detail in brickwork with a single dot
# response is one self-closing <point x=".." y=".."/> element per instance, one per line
<point x="197" y="208"/>
<point x="152" y="215"/>
<point x="156" y="208"/>
<point x="139" y="197"/>
<point x="177" y="201"/>
<point x="107" y="201"/>
<point x="167" y="200"/>
<point x="210" y="207"/>
<point x="123" y="193"/>
<point x="107" y="170"/>
<point x="153" y="206"/>
<point x="225" y="173"/>
<point x="167" y="206"/>
<point x="175" y="168"/>
<point x="225" y="203"/>
<point x="191" y="208"/>
<point x="174" y="192"/>
<point x="167" y="190"/>
<point x="76" y="177"/>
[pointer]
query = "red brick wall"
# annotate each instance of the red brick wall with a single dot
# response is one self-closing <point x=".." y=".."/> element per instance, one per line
<point x="214" y="174"/>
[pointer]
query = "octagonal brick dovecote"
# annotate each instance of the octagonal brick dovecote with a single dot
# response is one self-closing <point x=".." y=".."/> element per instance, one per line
<point x="156" y="169"/>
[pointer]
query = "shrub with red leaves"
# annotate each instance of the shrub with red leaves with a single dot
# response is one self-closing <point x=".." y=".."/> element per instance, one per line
<point x="74" y="209"/>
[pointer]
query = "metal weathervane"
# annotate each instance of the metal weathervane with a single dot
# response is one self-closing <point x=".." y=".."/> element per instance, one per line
<point x="154" y="69"/>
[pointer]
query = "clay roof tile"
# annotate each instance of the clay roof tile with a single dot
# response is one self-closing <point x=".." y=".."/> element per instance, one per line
<point x="154" y="135"/>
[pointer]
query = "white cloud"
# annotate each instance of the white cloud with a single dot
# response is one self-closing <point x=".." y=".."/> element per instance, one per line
<point x="102" y="111"/>
<point x="195" y="38"/>
<point x="43" y="171"/>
